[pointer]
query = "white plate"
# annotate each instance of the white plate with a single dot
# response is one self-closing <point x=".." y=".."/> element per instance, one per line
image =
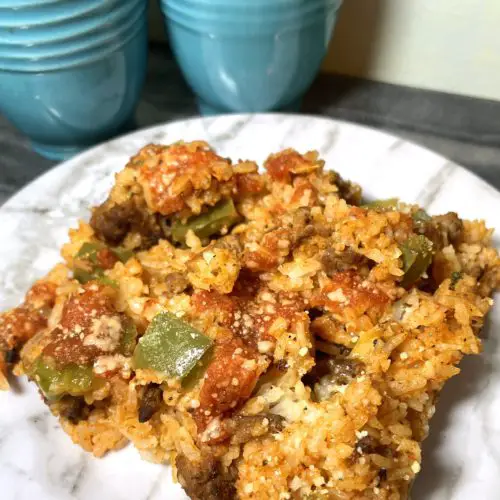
<point x="37" y="459"/>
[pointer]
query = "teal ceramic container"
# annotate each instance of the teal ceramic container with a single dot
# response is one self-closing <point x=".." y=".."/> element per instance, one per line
<point x="249" y="55"/>
<point x="71" y="71"/>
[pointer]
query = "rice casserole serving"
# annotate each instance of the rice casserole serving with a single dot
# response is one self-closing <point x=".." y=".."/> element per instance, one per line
<point x="271" y="335"/>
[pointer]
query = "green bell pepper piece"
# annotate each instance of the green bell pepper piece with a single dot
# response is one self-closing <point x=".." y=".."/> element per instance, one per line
<point x="88" y="251"/>
<point x="122" y="253"/>
<point x="207" y="224"/>
<point x="83" y="276"/>
<point x="55" y="382"/>
<point x="382" y="205"/>
<point x="170" y="346"/>
<point x="456" y="276"/>
<point x="416" y="257"/>
<point x="421" y="216"/>
<point x="199" y="370"/>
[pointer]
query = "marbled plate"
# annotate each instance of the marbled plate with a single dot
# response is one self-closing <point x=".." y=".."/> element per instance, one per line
<point x="37" y="459"/>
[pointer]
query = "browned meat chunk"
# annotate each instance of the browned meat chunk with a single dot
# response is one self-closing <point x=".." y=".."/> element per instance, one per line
<point x="340" y="370"/>
<point x="207" y="479"/>
<point x="329" y="373"/>
<point x="11" y="356"/>
<point x="368" y="445"/>
<point x="451" y="227"/>
<point x="243" y="428"/>
<point x="334" y="262"/>
<point x="348" y="191"/>
<point x="113" y="222"/>
<point x="74" y="409"/>
<point x="150" y="402"/>
<point x="442" y="230"/>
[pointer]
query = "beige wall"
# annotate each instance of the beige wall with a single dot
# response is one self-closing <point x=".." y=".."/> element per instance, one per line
<point x="448" y="45"/>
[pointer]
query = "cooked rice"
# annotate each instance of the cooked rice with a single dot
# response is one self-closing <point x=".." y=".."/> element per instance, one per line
<point x="325" y="371"/>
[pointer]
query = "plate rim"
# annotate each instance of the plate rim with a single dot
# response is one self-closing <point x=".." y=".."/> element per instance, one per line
<point x="94" y="150"/>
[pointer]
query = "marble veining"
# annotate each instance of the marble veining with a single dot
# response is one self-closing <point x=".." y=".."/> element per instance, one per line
<point x="38" y="460"/>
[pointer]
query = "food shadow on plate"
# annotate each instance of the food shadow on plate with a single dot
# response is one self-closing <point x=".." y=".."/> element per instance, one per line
<point x="472" y="379"/>
<point x="14" y="384"/>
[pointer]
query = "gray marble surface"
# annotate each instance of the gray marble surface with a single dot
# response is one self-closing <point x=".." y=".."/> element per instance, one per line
<point x="463" y="129"/>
